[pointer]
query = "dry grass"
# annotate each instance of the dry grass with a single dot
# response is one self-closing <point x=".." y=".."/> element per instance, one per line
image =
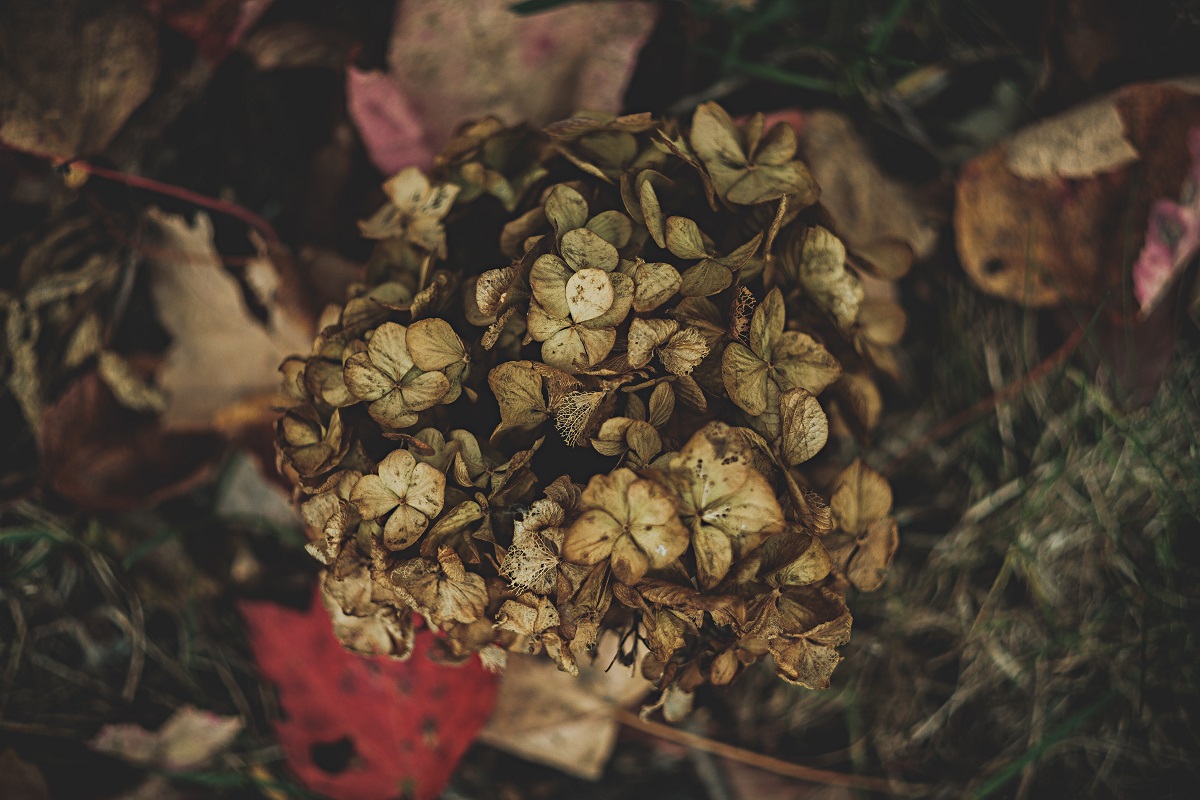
<point x="1037" y="634"/>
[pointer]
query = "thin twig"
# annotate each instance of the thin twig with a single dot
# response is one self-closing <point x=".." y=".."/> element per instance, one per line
<point x="766" y="763"/>
<point x="167" y="190"/>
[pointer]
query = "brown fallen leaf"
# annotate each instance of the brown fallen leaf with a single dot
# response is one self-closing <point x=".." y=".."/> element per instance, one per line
<point x="104" y="456"/>
<point x="71" y="73"/>
<point x="221" y="355"/>
<point x="1056" y="213"/>
<point x="453" y="61"/>
<point x="880" y="219"/>
<point x="553" y="718"/>
<point x="21" y="780"/>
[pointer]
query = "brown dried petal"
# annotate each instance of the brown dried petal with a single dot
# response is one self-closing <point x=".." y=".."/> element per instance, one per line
<point x="804" y="663"/>
<point x="805" y="427"/>
<point x="655" y="283"/>
<point x="869" y="565"/>
<point x="859" y="496"/>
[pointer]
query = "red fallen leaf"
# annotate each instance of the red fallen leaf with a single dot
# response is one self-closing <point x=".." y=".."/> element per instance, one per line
<point x="361" y="728"/>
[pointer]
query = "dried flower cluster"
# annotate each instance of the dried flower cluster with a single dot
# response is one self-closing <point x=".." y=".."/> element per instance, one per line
<point x="578" y="392"/>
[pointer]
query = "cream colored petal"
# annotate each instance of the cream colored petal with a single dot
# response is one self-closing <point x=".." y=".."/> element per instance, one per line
<point x="404" y="527"/>
<point x="799" y="361"/>
<point x="406" y="188"/>
<point x="714" y="555"/>
<point x="422" y="390"/>
<point x="372" y="497"/>
<point x="597" y="343"/>
<point x="396" y="469"/>
<point x="715" y="139"/>
<point x="662" y="543"/>
<point x="746" y="515"/>
<point x="565" y="350"/>
<point x="548" y="280"/>
<point x="542" y="325"/>
<point x="566" y="209"/>
<point x="745" y="378"/>
<point x="389" y="350"/>
<point x="622" y="302"/>
<point x="586" y="249"/>
<point x="591" y="538"/>
<point x="392" y="411"/>
<point x="426" y="490"/>
<point x="656" y="283"/>
<point x="437" y="201"/>
<point x="805" y="428"/>
<point x="767" y="324"/>
<point x="365" y="380"/>
<point x="589" y="294"/>
<point x="433" y="344"/>
<point x="629" y="563"/>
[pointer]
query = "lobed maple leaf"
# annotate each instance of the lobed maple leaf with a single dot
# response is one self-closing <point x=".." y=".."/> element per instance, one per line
<point x="362" y="728"/>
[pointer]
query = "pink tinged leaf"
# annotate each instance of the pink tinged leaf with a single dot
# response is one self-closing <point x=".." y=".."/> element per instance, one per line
<point x="396" y="728"/>
<point x="1172" y="237"/>
<point x="457" y="61"/>
<point x="390" y="127"/>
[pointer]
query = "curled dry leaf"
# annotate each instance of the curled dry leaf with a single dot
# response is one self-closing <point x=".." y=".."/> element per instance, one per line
<point x="104" y="456"/>
<point x="887" y="233"/>
<point x="567" y="722"/>
<point x="1044" y="218"/>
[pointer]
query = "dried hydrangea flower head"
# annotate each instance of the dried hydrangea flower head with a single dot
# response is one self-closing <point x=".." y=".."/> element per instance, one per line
<point x="588" y="386"/>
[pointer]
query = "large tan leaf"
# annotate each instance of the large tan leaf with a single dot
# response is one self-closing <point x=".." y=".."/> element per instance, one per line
<point x="220" y="354"/>
<point x="563" y="721"/>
